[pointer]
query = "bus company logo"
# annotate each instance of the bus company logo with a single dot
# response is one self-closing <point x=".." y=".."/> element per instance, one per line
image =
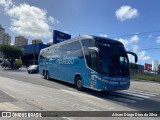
<point x="65" y="61"/>
<point x="60" y="34"/>
<point x="60" y="39"/>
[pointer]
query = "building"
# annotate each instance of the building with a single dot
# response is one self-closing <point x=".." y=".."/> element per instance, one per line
<point x="20" y="40"/>
<point x="147" y="67"/>
<point x="7" y="39"/>
<point x="155" y="65"/>
<point x="140" y="67"/>
<point x="36" y="41"/>
<point x="4" y="38"/>
<point x="2" y="32"/>
<point x="31" y="53"/>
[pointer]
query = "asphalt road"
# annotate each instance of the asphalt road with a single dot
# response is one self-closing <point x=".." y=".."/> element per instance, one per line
<point x="22" y="91"/>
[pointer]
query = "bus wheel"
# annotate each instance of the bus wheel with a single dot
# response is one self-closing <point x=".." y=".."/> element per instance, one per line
<point x="47" y="75"/>
<point x="78" y="83"/>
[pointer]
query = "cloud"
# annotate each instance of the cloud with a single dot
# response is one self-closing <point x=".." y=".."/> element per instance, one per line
<point x="6" y="3"/>
<point x="158" y="40"/>
<point x="124" y="41"/>
<point x="103" y="35"/>
<point x="130" y="41"/>
<point x="29" y="20"/>
<point x="126" y="12"/>
<point x="66" y="32"/>
<point x="142" y="56"/>
<point x="135" y="48"/>
<point x="134" y="39"/>
<point x="52" y="20"/>
<point x="131" y="45"/>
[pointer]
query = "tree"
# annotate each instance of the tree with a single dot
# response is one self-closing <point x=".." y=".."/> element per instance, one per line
<point x="11" y="53"/>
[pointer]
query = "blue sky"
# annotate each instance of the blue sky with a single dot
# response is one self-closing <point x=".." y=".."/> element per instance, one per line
<point x="135" y="23"/>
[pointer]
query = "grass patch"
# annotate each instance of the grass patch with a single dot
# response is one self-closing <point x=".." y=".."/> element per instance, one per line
<point x="145" y="77"/>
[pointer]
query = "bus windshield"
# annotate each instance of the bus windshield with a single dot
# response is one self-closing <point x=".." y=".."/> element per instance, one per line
<point x="113" y="59"/>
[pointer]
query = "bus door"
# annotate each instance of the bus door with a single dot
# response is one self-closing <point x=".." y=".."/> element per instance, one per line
<point x="53" y="67"/>
<point x="45" y="64"/>
<point x="92" y="62"/>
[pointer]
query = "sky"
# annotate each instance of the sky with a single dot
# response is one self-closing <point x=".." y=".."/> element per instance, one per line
<point x="135" y="23"/>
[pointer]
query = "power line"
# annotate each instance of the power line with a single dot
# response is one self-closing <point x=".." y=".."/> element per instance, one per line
<point x="153" y="46"/>
<point x="81" y="31"/>
<point x="149" y="49"/>
<point x="120" y="34"/>
<point x="140" y="33"/>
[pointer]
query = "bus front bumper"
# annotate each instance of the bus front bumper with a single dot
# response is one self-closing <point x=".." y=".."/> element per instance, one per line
<point x="113" y="84"/>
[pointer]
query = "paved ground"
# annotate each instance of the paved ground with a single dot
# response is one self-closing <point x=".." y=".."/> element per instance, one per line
<point x="146" y="85"/>
<point x="21" y="91"/>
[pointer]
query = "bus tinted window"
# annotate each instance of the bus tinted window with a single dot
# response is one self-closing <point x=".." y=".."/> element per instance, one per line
<point x="88" y="43"/>
<point x="58" y="51"/>
<point x="66" y="50"/>
<point x="76" y="49"/>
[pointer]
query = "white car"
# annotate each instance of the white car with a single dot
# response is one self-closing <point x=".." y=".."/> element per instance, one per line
<point x="33" y="69"/>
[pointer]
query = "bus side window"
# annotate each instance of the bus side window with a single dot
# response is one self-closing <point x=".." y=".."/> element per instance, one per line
<point x="66" y="50"/>
<point x="58" y="51"/>
<point x="76" y="50"/>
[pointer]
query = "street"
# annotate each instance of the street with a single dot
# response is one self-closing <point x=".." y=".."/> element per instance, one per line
<point x="20" y="91"/>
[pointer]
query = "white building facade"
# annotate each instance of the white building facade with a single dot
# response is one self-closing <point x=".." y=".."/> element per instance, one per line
<point x="155" y="65"/>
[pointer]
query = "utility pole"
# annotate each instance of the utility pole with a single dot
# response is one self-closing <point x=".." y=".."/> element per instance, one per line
<point x="34" y="53"/>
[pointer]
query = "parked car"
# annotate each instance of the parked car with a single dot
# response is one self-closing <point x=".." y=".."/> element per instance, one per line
<point x="16" y="65"/>
<point x="33" y="69"/>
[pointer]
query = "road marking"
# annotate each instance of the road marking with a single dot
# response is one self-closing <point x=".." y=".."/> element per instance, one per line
<point x="66" y="118"/>
<point x="80" y="106"/>
<point x="10" y="94"/>
<point x="111" y="108"/>
<point x="7" y="106"/>
<point x="127" y="96"/>
<point x="134" y="94"/>
<point x="140" y="93"/>
<point x="124" y="95"/>
<point x="81" y="94"/>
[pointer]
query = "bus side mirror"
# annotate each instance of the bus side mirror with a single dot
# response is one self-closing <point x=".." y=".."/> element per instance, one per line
<point x="135" y="56"/>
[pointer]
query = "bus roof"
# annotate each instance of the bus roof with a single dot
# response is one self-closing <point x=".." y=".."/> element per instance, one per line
<point x="84" y="37"/>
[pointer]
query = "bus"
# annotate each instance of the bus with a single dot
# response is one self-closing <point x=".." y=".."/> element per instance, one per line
<point x="92" y="62"/>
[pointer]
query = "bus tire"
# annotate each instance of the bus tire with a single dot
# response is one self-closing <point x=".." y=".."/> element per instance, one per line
<point x="47" y="75"/>
<point x="78" y="83"/>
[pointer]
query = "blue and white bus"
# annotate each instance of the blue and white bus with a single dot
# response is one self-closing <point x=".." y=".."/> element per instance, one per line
<point x="92" y="62"/>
